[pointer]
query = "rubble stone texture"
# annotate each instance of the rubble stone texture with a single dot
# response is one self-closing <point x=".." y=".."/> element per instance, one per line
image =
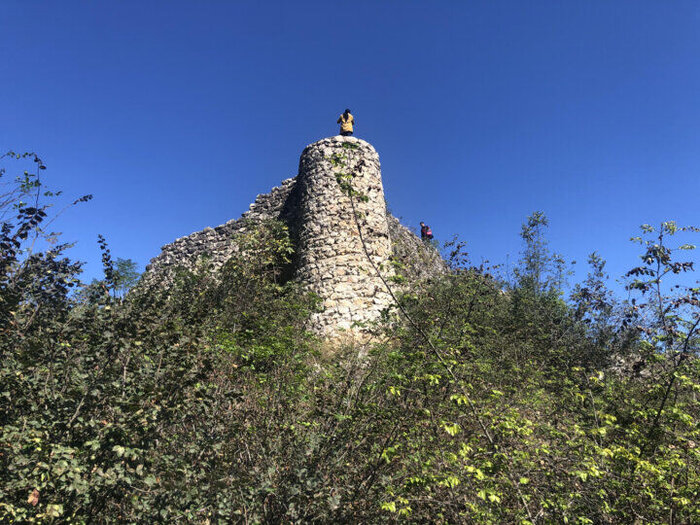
<point x="330" y="258"/>
<point x="339" y="235"/>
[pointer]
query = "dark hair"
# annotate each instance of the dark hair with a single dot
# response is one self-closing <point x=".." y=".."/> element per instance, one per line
<point x="347" y="110"/>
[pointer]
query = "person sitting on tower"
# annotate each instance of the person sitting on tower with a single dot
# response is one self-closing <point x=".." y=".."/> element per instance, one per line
<point x="346" y="121"/>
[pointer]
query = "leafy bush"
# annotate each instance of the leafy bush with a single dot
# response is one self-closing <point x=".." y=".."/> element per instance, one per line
<point x="207" y="401"/>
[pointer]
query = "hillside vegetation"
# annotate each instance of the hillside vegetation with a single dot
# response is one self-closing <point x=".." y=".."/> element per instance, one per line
<point x="476" y="400"/>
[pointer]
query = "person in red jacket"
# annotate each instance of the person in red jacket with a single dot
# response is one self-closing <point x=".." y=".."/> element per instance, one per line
<point x="425" y="232"/>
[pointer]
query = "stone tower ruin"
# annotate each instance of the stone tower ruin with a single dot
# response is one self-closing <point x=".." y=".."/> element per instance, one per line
<point x="342" y="233"/>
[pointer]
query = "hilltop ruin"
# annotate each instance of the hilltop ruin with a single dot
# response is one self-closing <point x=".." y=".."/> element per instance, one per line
<point x="334" y="237"/>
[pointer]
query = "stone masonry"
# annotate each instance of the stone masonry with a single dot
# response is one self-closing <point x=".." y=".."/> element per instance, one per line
<point x="331" y="258"/>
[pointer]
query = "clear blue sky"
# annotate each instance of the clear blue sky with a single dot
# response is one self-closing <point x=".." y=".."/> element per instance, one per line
<point x="176" y="114"/>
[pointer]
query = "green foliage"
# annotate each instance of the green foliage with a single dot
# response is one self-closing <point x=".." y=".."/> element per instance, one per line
<point x="540" y="272"/>
<point x="208" y="402"/>
<point x="126" y="275"/>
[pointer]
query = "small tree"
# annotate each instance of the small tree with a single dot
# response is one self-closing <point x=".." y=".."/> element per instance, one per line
<point x="126" y="275"/>
<point x="536" y="257"/>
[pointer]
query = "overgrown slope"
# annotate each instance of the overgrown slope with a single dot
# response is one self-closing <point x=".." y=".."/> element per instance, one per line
<point x="477" y="401"/>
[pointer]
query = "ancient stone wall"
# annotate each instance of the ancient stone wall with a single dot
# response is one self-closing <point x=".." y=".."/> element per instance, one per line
<point x="330" y="258"/>
<point x="416" y="259"/>
<point x="215" y="243"/>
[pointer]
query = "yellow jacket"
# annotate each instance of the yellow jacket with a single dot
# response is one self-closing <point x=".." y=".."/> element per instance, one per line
<point x="346" y="124"/>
